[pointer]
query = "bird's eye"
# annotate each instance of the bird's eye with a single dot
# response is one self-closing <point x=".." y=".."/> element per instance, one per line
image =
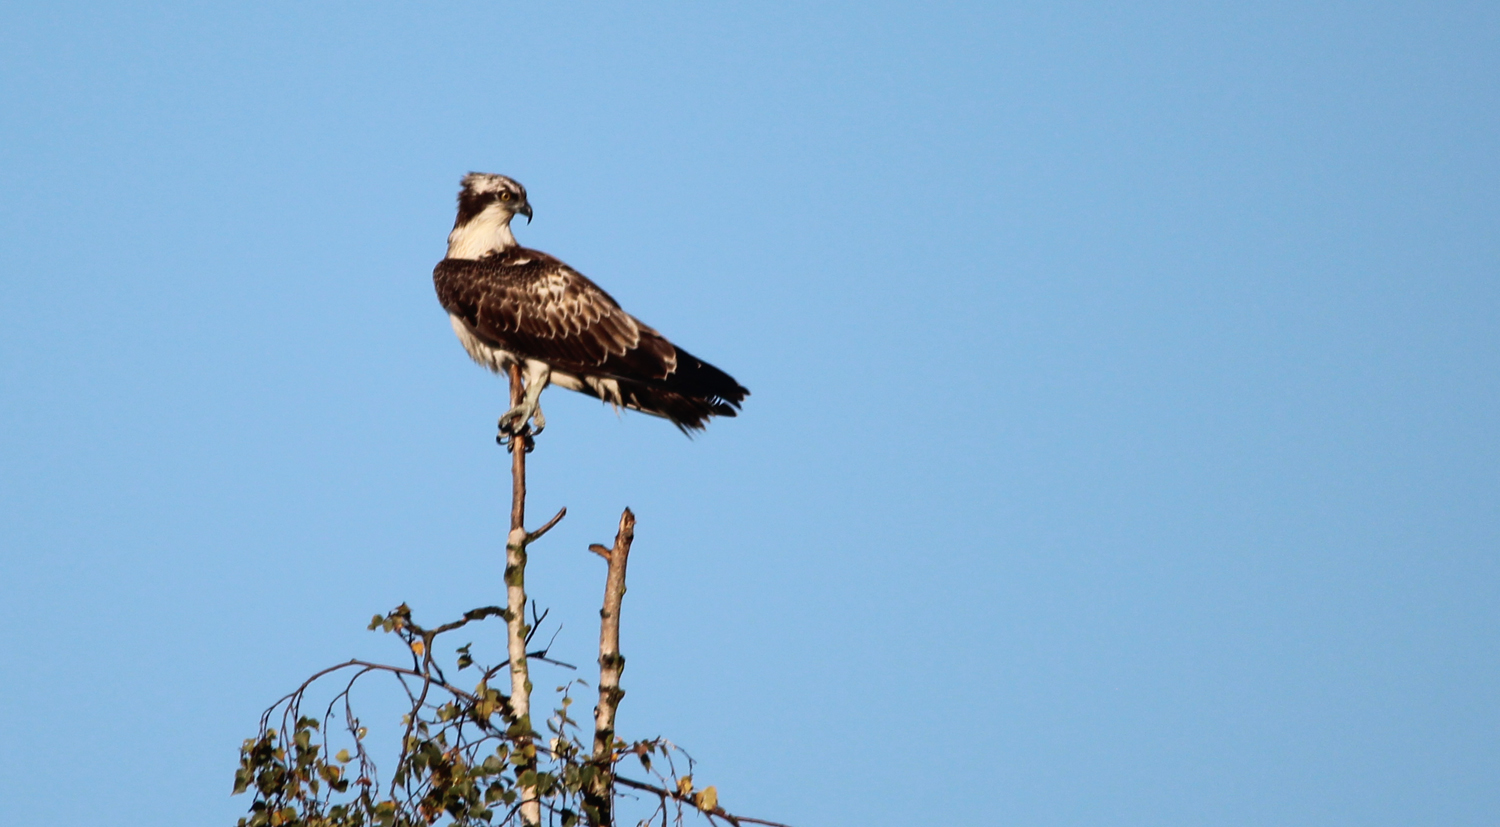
<point x="504" y="196"/>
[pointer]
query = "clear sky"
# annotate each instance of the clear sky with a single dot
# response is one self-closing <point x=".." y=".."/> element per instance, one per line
<point x="1123" y="440"/>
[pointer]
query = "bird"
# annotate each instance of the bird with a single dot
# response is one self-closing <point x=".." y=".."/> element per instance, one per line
<point x="511" y="305"/>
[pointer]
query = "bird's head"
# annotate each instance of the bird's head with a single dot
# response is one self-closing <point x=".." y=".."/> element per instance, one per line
<point x="485" y="192"/>
<point x="486" y="204"/>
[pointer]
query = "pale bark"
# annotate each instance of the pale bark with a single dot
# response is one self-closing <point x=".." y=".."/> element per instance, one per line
<point x="611" y="664"/>
<point x="515" y="604"/>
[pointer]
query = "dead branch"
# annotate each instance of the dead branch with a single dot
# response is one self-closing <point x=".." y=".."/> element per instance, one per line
<point x="537" y="535"/>
<point x="611" y="664"/>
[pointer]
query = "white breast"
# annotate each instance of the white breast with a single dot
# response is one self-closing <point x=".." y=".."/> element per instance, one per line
<point x="488" y="355"/>
<point x="499" y="360"/>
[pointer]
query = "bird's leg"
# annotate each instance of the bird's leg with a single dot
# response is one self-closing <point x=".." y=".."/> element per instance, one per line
<point x="513" y="422"/>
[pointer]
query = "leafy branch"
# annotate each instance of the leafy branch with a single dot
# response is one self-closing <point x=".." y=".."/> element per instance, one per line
<point x="464" y="755"/>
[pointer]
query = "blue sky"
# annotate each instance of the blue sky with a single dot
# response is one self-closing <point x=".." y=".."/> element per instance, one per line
<point x="1122" y="447"/>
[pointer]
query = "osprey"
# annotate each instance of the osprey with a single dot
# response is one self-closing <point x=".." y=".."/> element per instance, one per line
<point x="511" y="305"/>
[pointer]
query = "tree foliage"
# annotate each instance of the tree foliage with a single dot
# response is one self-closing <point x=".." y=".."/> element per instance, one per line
<point x="463" y="758"/>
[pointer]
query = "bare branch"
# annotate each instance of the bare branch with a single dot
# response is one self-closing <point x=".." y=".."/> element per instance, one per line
<point x="611" y="665"/>
<point x="536" y="622"/>
<point x="515" y="602"/>
<point x="537" y="535"/>
<point x="470" y="615"/>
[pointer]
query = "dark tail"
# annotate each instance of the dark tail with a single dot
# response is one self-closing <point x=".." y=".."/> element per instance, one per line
<point x="695" y="392"/>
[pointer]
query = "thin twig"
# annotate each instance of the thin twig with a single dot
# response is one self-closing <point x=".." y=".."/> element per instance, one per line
<point x="536" y="622"/>
<point x="688" y="799"/>
<point x="411" y="721"/>
<point x="533" y="536"/>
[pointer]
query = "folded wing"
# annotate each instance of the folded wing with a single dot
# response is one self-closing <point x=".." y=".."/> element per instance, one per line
<point x="535" y="306"/>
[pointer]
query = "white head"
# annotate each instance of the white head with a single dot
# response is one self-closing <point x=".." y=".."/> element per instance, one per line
<point x="486" y="204"/>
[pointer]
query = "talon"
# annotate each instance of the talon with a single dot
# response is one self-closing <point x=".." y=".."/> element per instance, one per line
<point x="513" y="421"/>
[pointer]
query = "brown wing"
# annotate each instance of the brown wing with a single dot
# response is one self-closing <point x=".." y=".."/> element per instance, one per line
<point x="530" y="304"/>
<point x="533" y="305"/>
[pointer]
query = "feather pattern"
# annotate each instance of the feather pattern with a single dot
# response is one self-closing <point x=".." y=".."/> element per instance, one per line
<point x="526" y="304"/>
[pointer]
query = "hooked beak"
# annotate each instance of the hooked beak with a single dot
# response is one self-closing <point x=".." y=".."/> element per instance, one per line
<point x="526" y="211"/>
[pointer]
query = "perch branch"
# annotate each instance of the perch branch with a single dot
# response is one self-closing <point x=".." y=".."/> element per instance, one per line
<point x="515" y="615"/>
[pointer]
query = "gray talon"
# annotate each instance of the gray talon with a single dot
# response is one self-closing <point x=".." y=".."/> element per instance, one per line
<point x="513" y="422"/>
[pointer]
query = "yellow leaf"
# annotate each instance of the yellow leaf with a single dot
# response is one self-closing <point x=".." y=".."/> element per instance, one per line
<point x="342" y="757"/>
<point x="708" y="799"/>
<point x="419" y="647"/>
<point x="685" y="785"/>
